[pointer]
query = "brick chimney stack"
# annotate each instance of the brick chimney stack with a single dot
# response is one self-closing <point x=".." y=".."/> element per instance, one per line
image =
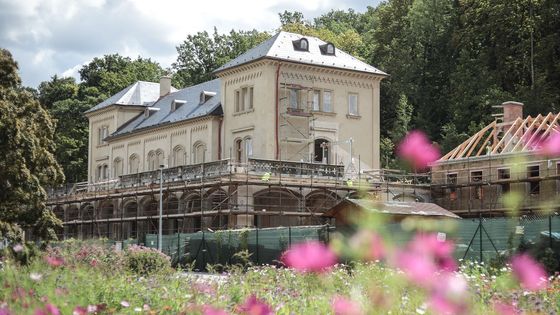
<point x="164" y="85"/>
<point x="512" y="111"/>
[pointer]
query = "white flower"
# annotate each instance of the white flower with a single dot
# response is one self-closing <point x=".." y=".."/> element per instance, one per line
<point x="92" y="308"/>
<point x="137" y="309"/>
<point x="17" y="248"/>
<point x="125" y="304"/>
<point x="35" y="276"/>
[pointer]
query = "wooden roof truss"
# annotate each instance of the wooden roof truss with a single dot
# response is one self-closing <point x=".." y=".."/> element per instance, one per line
<point x="520" y="135"/>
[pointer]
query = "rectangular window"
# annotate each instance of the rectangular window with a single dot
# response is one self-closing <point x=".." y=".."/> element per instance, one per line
<point x="504" y="175"/>
<point x="250" y="101"/>
<point x="452" y="181"/>
<point x="316" y="100"/>
<point x="557" y="168"/>
<point x="294" y="98"/>
<point x="236" y="100"/>
<point x="327" y="101"/>
<point x="244" y="99"/>
<point x="534" y="185"/>
<point x="353" y="104"/>
<point x="476" y="178"/>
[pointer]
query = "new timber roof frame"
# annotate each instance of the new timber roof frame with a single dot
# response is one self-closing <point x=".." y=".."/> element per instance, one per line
<point x="520" y="135"/>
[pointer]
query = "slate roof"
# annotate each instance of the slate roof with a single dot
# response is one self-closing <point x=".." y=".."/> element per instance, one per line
<point x="140" y="93"/>
<point x="280" y="47"/>
<point x="191" y="109"/>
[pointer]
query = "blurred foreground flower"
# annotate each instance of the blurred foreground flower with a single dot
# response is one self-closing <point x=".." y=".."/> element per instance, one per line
<point x="311" y="256"/>
<point x="210" y="310"/>
<point x="417" y="149"/>
<point x="530" y="273"/>
<point x="505" y="309"/>
<point x="18" y="248"/>
<point x="54" y="261"/>
<point x="551" y="146"/>
<point x="254" y="306"/>
<point x="344" y="306"/>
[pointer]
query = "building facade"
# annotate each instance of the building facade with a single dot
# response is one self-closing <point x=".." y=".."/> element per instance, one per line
<point x="291" y="98"/>
<point x="501" y="160"/>
<point x="285" y="132"/>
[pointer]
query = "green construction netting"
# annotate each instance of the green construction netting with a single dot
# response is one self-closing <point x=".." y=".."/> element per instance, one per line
<point x="497" y="235"/>
<point x="264" y="245"/>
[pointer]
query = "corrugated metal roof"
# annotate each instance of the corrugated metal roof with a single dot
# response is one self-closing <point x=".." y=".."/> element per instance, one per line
<point x="280" y="46"/>
<point x="189" y="110"/>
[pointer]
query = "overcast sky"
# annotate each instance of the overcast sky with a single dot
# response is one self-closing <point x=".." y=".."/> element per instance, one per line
<point x="48" y="37"/>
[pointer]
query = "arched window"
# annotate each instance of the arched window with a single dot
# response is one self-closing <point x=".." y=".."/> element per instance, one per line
<point x="133" y="164"/>
<point x="179" y="155"/>
<point x="117" y="167"/>
<point x="152" y="161"/>
<point x="238" y="150"/>
<point x="160" y="158"/>
<point x="199" y="152"/>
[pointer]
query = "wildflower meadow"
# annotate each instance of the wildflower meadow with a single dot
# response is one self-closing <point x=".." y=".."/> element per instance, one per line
<point x="361" y="273"/>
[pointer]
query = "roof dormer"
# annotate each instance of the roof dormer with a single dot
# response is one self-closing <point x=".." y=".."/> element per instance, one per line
<point x="301" y="44"/>
<point x="327" y="49"/>
<point x="149" y="111"/>
<point x="176" y="104"/>
<point x="205" y="96"/>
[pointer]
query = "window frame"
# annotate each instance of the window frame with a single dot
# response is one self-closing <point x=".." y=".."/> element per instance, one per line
<point x="331" y="103"/>
<point x="244" y="99"/>
<point x="357" y="97"/>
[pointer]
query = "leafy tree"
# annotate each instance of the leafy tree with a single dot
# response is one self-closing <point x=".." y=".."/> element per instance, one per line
<point x="67" y="100"/>
<point x="200" y="54"/>
<point x="57" y="89"/>
<point x="27" y="163"/>
<point x="403" y="118"/>
<point x="287" y="18"/>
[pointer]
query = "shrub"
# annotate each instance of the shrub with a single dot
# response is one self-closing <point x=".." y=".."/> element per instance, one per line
<point x="145" y="260"/>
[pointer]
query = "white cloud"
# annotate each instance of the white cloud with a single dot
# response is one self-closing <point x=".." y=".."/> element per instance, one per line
<point x="50" y="37"/>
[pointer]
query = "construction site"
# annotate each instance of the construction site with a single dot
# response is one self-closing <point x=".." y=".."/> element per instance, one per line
<point x="500" y="169"/>
<point x="222" y="195"/>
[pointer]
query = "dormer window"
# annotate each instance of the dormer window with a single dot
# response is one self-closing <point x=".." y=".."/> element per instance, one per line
<point x="176" y="104"/>
<point x="205" y="96"/>
<point x="149" y="111"/>
<point x="301" y="44"/>
<point x="327" y="49"/>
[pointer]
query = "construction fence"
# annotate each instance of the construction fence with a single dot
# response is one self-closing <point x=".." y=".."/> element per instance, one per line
<point x="480" y="239"/>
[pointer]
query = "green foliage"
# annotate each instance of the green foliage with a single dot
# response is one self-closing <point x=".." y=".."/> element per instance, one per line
<point x="200" y="54"/>
<point x="27" y="163"/>
<point x="145" y="261"/>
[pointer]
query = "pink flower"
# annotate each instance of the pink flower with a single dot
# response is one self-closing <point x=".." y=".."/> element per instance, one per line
<point x="441" y="251"/>
<point x="530" y="273"/>
<point x="312" y="256"/>
<point x="125" y="304"/>
<point x="377" y="247"/>
<point x="344" y="306"/>
<point x="418" y="150"/>
<point x="448" y="295"/>
<point x="5" y="311"/>
<point x="418" y="268"/>
<point x="54" y="261"/>
<point x="18" y="248"/>
<point x="78" y="310"/>
<point x="505" y="309"/>
<point x="209" y="310"/>
<point x="51" y="309"/>
<point x="254" y="306"/>
<point x="551" y="146"/>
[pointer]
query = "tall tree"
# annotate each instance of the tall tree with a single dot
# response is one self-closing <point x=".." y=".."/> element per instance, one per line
<point x="200" y="54"/>
<point x="67" y="100"/>
<point x="27" y="163"/>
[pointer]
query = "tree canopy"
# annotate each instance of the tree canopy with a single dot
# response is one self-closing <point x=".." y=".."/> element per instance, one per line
<point x="27" y="162"/>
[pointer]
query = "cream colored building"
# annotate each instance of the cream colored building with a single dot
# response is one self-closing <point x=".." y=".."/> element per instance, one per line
<point x="291" y="98"/>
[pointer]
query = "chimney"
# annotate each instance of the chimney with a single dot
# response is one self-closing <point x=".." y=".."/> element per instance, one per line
<point x="512" y="111"/>
<point x="164" y="85"/>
